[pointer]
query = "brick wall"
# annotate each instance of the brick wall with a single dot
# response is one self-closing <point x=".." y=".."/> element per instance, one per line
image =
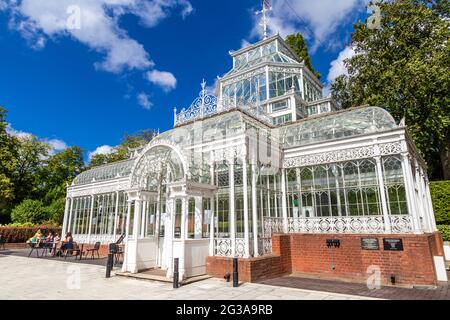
<point x="250" y="270"/>
<point x="413" y="265"/>
<point x="308" y="254"/>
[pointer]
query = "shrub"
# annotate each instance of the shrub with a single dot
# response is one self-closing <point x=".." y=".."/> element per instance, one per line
<point x="444" y="229"/>
<point x="22" y="234"/>
<point x="29" y="211"/>
<point x="440" y="194"/>
<point x="55" y="211"/>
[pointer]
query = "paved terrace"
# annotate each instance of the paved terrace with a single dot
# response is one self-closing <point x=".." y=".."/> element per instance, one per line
<point x="32" y="278"/>
<point x="27" y="278"/>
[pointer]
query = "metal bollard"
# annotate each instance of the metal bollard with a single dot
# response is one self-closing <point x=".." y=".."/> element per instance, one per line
<point x="235" y="273"/>
<point x="109" y="265"/>
<point x="175" y="273"/>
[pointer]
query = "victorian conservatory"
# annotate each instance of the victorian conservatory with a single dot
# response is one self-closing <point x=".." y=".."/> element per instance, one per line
<point x="267" y="153"/>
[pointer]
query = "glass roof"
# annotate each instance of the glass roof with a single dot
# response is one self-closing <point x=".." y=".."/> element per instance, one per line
<point x="274" y="57"/>
<point x="342" y="124"/>
<point x="110" y="171"/>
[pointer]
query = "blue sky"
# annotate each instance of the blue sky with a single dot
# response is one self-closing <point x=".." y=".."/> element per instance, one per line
<point x="129" y="62"/>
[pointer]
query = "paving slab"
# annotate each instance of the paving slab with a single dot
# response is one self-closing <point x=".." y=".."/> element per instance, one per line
<point x="47" y="279"/>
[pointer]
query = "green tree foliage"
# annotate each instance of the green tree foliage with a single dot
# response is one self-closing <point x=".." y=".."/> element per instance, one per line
<point x="298" y="45"/>
<point x="55" y="211"/>
<point x="120" y="152"/>
<point x="29" y="211"/>
<point x="440" y="195"/>
<point x="8" y="164"/>
<point x="59" y="170"/>
<point x="404" y="67"/>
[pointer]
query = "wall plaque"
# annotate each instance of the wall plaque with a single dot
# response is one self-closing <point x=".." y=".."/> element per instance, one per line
<point x="370" y="244"/>
<point x="393" y="244"/>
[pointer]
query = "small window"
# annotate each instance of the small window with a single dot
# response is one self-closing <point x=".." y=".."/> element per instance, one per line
<point x="279" y="105"/>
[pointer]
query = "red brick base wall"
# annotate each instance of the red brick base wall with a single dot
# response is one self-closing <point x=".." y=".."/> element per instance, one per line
<point x="413" y="265"/>
<point x="308" y="254"/>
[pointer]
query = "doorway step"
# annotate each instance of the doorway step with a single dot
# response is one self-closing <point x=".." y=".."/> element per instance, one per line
<point x="156" y="274"/>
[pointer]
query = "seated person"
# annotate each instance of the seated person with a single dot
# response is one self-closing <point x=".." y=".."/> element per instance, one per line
<point x="55" y="242"/>
<point x="36" y="239"/>
<point x="68" y="242"/>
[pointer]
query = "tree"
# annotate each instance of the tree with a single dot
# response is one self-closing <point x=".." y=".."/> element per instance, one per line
<point x="121" y="152"/>
<point x="298" y="45"/>
<point x="29" y="211"/>
<point x="8" y="164"/>
<point x="404" y="67"/>
<point x="27" y="174"/>
<point x="60" y="169"/>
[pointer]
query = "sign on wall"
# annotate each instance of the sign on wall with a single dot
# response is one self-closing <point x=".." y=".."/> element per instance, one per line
<point x="393" y="244"/>
<point x="370" y="244"/>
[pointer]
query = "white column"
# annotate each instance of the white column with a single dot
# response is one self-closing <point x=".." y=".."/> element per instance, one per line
<point x="116" y="213"/>
<point x="384" y="208"/>
<point x="245" y="192"/>
<point x="127" y="227"/>
<point x="299" y="194"/>
<point x="430" y="204"/>
<point x="422" y="199"/>
<point x="69" y="223"/>
<point x="143" y="218"/>
<point x="137" y="218"/>
<point x="198" y="218"/>
<point x="254" y="211"/>
<point x="66" y="214"/>
<point x="275" y="199"/>
<point x="211" y="222"/>
<point x="90" y="219"/>
<point x="232" y="206"/>
<point x="410" y="192"/>
<point x="283" y="200"/>
<point x="184" y="216"/>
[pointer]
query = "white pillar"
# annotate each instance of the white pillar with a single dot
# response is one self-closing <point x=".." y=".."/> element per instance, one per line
<point x="116" y="214"/>
<point x="410" y="192"/>
<point x="283" y="200"/>
<point x="90" y="219"/>
<point x="66" y="214"/>
<point x="137" y="218"/>
<point x="143" y="218"/>
<point x="232" y="218"/>
<point x="430" y="204"/>
<point x="184" y="216"/>
<point x="422" y="198"/>
<point x="69" y="223"/>
<point x="382" y="189"/>
<point x="245" y="192"/>
<point x="198" y="218"/>
<point x="211" y="222"/>
<point x="127" y="226"/>
<point x="254" y="211"/>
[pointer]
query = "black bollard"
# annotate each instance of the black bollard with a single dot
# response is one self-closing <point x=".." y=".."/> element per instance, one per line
<point x="235" y="273"/>
<point x="109" y="265"/>
<point x="175" y="273"/>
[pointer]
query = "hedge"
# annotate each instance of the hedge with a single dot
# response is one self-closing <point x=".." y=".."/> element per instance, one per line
<point x="22" y="234"/>
<point x="440" y="194"/>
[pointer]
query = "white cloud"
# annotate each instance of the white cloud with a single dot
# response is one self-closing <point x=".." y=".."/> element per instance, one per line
<point x="56" y="145"/>
<point x="337" y="66"/>
<point x="105" y="150"/>
<point x="316" y="19"/>
<point x="17" y="133"/>
<point x="214" y="88"/>
<point x="163" y="79"/>
<point x="144" y="101"/>
<point x="98" y="23"/>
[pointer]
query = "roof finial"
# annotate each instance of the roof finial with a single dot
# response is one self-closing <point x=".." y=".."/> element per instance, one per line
<point x="266" y="7"/>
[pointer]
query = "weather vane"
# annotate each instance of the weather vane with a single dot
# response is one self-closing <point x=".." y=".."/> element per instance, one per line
<point x="266" y="7"/>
